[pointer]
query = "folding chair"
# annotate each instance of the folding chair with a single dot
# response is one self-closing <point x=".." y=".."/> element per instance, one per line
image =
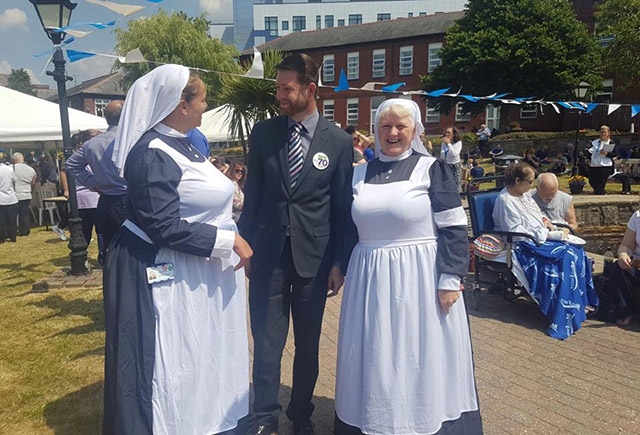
<point x="43" y="207"/>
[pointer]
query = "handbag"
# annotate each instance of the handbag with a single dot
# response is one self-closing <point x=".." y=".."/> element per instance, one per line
<point x="488" y="246"/>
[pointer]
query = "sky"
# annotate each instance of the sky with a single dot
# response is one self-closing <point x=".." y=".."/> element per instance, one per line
<point x="22" y="36"/>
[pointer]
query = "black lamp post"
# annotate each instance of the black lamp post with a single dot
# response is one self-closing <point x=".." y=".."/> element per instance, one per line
<point x="54" y="14"/>
<point x="580" y="92"/>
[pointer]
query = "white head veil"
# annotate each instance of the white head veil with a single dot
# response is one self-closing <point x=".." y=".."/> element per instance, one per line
<point x="151" y="99"/>
<point x="414" y="110"/>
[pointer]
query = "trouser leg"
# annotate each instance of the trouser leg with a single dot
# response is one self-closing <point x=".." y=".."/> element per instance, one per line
<point x="269" y="306"/>
<point x="24" y="224"/>
<point x="88" y="216"/>
<point x="10" y="224"/>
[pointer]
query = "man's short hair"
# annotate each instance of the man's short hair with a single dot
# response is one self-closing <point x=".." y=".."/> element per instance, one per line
<point x="112" y="112"/>
<point x="18" y="157"/>
<point x="303" y="65"/>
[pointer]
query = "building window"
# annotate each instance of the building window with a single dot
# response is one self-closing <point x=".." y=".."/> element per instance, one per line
<point x="422" y="14"/>
<point x="355" y="19"/>
<point x="606" y="93"/>
<point x="328" y="21"/>
<point x="406" y="60"/>
<point x="432" y="115"/>
<point x="434" y="56"/>
<point x="328" y="68"/>
<point x="529" y="111"/>
<point x="271" y="25"/>
<point x="299" y="23"/>
<point x="340" y="23"/>
<point x="285" y="25"/>
<point x="100" y="105"/>
<point x="327" y="110"/>
<point x="352" y="111"/>
<point x="318" y="21"/>
<point x="353" y="66"/>
<point x="375" y="103"/>
<point x="461" y="115"/>
<point x="410" y="15"/>
<point x="377" y="69"/>
<point x="384" y="17"/>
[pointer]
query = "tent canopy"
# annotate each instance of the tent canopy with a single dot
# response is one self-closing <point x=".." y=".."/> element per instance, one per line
<point x="24" y="118"/>
<point x="215" y="124"/>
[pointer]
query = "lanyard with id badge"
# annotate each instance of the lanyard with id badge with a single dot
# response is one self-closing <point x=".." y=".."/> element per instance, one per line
<point x="160" y="272"/>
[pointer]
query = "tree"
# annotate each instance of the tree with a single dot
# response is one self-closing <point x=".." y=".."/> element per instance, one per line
<point x="618" y="23"/>
<point x="175" y="38"/>
<point x="521" y="47"/>
<point x="19" y="80"/>
<point x="252" y="100"/>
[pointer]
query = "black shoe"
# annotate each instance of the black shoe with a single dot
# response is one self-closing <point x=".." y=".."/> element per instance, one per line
<point x="303" y="427"/>
<point x="263" y="429"/>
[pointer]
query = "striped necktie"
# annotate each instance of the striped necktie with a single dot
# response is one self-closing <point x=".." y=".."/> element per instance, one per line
<point x="295" y="153"/>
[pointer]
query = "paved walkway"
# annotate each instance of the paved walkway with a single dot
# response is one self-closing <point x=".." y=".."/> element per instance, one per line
<point x="528" y="382"/>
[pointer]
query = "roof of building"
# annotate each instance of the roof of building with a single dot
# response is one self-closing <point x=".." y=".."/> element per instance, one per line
<point x="4" y="79"/>
<point x="108" y="84"/>
<point x="364" y="33"/>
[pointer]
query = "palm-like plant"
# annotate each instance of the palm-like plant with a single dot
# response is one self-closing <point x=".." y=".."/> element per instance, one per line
<point x="252" y="100"/>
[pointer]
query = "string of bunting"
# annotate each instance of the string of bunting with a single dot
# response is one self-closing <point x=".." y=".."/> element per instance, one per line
<point x="257" y="69"/>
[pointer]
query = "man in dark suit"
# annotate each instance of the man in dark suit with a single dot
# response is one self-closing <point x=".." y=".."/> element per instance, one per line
<point x="296" y="208"/>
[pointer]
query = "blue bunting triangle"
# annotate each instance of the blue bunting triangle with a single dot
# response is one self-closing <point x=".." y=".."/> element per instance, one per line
<point x="343" y="84"/>
<point x="635" y="109"/>
<point x="392" y="88"/>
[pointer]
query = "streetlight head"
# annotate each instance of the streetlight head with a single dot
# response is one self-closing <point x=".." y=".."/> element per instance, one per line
<point x="581" y="90"/>
<point x="54" y="14"/>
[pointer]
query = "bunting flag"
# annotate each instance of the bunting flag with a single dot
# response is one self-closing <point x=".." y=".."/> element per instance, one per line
<point x="371" y="86"/>
<point x="257" y="67"/>
<point x="613" y="108"/>
<point x="392" y="88"/>
<point x="134" y="56"/>
<point x="124" y="10"/>
<point x="76" y="55"/>
<point x="343" y="84"/>
<point x="635" y="109"/>
<point x="437" y="93"/>
<point x="590" y="107"/>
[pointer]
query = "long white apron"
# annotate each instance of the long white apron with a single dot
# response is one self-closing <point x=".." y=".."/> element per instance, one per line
<point x="404" y="366"/>
<point x="201" y="370"/>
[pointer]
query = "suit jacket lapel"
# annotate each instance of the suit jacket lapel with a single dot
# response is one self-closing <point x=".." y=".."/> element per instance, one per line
<point x="317" y="144"/>
<point x="282" y="141"/>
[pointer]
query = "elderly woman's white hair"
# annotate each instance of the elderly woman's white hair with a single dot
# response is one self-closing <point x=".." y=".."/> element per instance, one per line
<point x="412" y="110"/>
<point x="150" y="100"/>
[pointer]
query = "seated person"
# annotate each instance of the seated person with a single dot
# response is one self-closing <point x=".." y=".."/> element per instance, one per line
<point x="543" y="154"/>
<point x="625" y="291"/>
<point x="623" y="177"/>
<point x="559" y="165"/>
<point x="496" y="151"/>
<point x="474" y="154"/>
<point x="556" y="274"/>
<point x="531" y="160"/>
<point x="557" y="206"/>
<point x="583" y="164"/>
<point x="476" y="170"/>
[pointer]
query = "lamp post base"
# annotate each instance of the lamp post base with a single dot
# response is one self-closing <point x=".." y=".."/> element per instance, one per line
<point x="78" y="247"/>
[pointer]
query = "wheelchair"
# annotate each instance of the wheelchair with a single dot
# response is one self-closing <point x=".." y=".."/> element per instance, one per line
<point x="494" y="274"/>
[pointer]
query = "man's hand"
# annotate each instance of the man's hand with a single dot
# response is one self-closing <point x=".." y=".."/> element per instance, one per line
<point x="244" y="251"/>
<point x="448" y="298"/>
<point x="335" y="281"/>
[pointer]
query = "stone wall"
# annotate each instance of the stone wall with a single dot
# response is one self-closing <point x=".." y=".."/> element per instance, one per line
<point x="516" y="147"/>
<point x="602" y="224"/>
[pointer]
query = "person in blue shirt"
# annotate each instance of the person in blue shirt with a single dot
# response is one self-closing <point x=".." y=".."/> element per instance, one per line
<point x="199" y="141"/>
<point x="476" y="170"/>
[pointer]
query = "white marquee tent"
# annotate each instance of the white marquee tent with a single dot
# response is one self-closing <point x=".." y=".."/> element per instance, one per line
<point x="24" y="118"/>
<point x="215" y="125"/>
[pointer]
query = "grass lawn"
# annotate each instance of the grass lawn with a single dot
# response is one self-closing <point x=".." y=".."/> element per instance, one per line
<point x="51" y="352"/>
